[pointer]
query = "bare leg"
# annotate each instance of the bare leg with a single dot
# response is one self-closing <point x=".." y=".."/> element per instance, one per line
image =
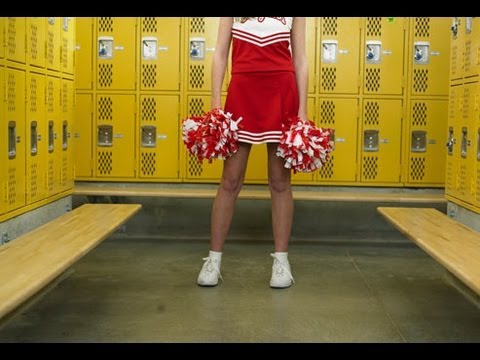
<point x="230" y="185"/>
<point x="279" y="179"/>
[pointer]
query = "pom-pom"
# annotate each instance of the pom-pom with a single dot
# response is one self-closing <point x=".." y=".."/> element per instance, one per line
<point x="211" y="136"/>
<point x="304" y="146"/>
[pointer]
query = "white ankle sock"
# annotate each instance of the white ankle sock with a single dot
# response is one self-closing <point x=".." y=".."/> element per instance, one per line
<point x="282" y="256"/>
<point x="215" y="256"/>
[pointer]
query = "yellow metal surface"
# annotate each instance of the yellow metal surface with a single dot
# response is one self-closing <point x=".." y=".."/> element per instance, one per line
<point x="471" y="65"/>
<point x="83" y="136"/>
<point x="385" y="76"/>
<point x="342" y="115"/>
<point x="3" y="142"/>
<point x="36" y="139"/>
<point x="454" y="137"/>
<point x="53" y="133"/>
<point x="2" y="37"/>
<point x="429" y="77"/>
<point x="457" y="48"/>
<point x="115" y="155"/>
<point x="36" y="37"/>
<point x="426" y="151"/>
<point x="159" y="48"/>
<point x="54" y="43"/>
<point x="158" y="137"/>
<point x="380" y="141"/>
<point x="15" y="46"/>
<point x="66" y="124"/>
<point x="115" y="53"/>
<point x="68" y="45"/>
<point x="15" y="117"/>
<point x="475" y="159"/>
<point x="341" y="75"/>
<point x="85" y="53"/>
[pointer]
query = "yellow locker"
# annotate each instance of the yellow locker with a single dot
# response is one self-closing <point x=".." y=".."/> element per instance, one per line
<point x="115" y="141"/>
<point x="426" y="153"/>
<point x="36" y="144"/>
<point x="381" y="129"/>
<point x="83" y="136"/>
<point x="476" y="148"/>
<point x="208" y="172"/>
<point x="3" y="141"/>
<point x="15" y="39"/>
<point x="303" y="178"/>
<point x="116" y="50"/>
<point x="158" y="137"/>
<point x="15" y="117"/>
<point x="53" y="131"/>
<point x="453" y="139"/>
<point x="54" y="28"/>
<point x="429" y="58"/>
<point x="257" y="167"/>
<point x="341" y="115"/>
<point x="472" y="47"/>
<point x="311" y="45"/>
<point x="84" y="53"/>
<point x="66" y="122"/>
<point x="457" y="45"/>
<point x="2" y="37"/>
<point x="383" y="53"/>
<point x="339" y="55"/>
<point x="36" y="41"/>
<point x="201" y="41"/>
<point x="68" y="45"/>
<point x="159" y="48"/>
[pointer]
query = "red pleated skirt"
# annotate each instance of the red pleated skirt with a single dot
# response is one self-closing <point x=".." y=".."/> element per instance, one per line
<point x="265" y="101"/>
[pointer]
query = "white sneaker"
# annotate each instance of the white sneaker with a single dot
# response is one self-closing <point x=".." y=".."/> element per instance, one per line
<point x="210" y="273"/>
<point x="281" y="273"/>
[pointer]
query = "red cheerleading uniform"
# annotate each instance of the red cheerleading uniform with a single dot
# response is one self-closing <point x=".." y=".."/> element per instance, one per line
<point x="263" y="89"/>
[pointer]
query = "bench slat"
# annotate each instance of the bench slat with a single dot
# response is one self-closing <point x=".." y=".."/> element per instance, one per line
<point x="452" y="244"/>
<point x="36" y="258"/>
<point x="360" y="196"/>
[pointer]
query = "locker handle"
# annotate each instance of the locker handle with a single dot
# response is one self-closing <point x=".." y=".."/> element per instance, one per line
<point x="370" y="140"/>
<point x="33" y="138"/>
<point x="12" y="140"/>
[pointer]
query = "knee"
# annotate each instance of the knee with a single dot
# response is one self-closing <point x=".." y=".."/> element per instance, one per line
<point x="231" y="185"/>
<point x="279" y="184"/>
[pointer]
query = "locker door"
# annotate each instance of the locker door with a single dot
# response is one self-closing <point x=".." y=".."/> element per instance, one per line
<point x="339" y="55"/>
<point x="84" y="53"/>
<point x="68" y="45"/>
<point x="15" y="116"/>
<point x="83" y="136"/>
<point x="2" y="37"/>
<point x="53" y="131"/>
<point x="160" y="53"/>
<point x="476" y="148"/>
<point x="471" y="30"/>
<point x="341" y="115"/>
<point x="158" y="137"/>
<point x="15" y="39"/>
<point x="427" y="151"/>
<point x="66" y="119"/>
<point x="453" y="140"/>
<point x="36" y="33"/>
<point x="208" y="172"/>
<point x="380" y="142"/>
<point x="115" y="142"/>
<point x="116" y="50"/>
<point x="54" y="41"/>
<point x="36" y="152"/>
<point x="3" y="141"/>
<point x="383" y="55"/>
<point x="429" y="56"/>
<point x="457" y="45"/>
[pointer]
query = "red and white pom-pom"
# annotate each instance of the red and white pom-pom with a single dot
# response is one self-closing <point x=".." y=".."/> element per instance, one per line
<point x="304" y="146"/>
<point x="211" y="136"/>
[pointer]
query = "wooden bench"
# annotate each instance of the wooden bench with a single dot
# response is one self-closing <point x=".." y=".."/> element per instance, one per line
<point x="33" y="260"/>
<point x="452" y="244"/>
<point x="262" y="193"/>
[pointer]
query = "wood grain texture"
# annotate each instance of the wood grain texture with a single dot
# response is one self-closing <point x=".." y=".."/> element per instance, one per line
<point x="31" y="261"/>
<point x="452" y="244"/>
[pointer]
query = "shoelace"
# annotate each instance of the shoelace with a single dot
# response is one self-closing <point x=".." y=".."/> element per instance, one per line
<point x="282" y="265"/>
<point x="210" y="262"/>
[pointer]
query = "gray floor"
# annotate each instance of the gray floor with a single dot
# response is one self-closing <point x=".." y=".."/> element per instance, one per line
<point x="141" y="288"/>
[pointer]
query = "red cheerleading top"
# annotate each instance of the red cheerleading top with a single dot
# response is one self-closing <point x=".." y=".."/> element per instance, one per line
<point x="261" y="44"/>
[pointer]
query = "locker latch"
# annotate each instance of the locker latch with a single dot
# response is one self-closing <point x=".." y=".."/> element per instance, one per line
<point x="105" y="47"/>
<point x="33" y="138"/>
<point x="105" y="135"/>
<point x="421" y="50"/>
<point x="468" y="25"/>
<point x="64" y="135"/>
<point x="454" y="28"/>
<point x="197" y="48"/>
<point x="478" y="145"/>
<point x="450" y="141"/>
<point x="329" y="51"/>
<point x="373" y="52"/>
<point x="419" y="141"/>
<point x="51" y="136"/>
<point x="12" y="140"/>
<point x="464" y="144"/>
<point x="370" y="140"/>
<point x="149" y="48"/>
<point x="149" y="136"/>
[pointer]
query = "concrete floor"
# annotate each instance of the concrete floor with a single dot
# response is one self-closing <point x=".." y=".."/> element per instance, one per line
<point x="138" y="287"/>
